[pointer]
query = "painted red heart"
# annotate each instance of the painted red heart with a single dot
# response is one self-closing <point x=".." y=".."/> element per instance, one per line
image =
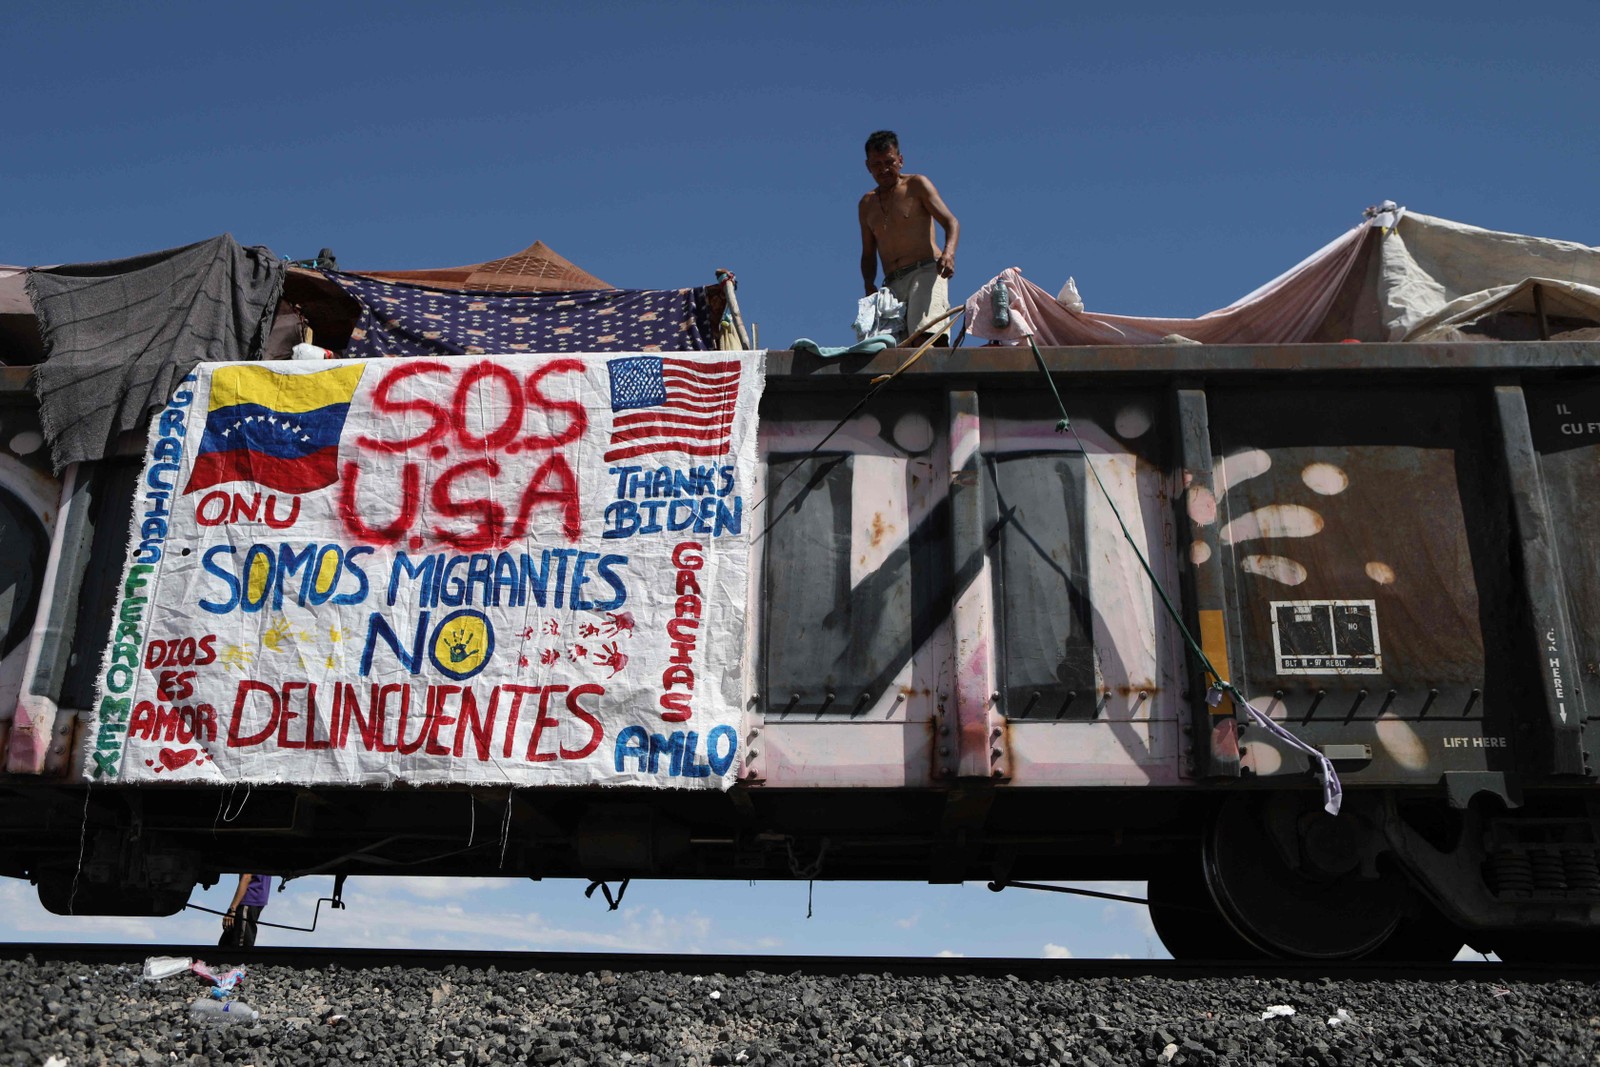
<point x="173" y="758"/>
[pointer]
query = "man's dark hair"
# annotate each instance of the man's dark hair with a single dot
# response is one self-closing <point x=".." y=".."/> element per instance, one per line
<point x="883" y="141"/>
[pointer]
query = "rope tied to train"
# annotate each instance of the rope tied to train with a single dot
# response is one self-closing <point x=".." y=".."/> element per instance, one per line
<point x="1332" y="791"/>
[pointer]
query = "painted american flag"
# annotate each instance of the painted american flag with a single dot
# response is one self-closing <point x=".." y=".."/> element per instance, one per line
<point x="661" y="404"/>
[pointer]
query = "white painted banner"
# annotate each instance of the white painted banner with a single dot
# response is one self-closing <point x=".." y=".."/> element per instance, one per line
<point x="514" y="569"/>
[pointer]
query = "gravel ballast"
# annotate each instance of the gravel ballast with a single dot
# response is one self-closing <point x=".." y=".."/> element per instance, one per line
<point x="81" y="1014"/>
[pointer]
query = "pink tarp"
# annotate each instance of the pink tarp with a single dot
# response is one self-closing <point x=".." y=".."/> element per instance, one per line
<point x="1284" y="311"/>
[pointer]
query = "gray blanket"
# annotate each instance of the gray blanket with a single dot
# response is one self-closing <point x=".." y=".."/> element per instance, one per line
<point x="120" y="335"/>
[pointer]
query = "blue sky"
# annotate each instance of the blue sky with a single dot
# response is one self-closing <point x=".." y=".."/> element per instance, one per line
<point x="1170" y="156"/>
<point x="873" y="919"/>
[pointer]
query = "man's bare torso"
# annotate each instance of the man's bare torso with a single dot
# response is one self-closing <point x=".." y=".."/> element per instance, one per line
<point x="898" y="217"/>
<point x="900" y="223"/>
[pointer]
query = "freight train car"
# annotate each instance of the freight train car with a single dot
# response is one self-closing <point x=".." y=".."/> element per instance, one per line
<point x="966" y="655"/>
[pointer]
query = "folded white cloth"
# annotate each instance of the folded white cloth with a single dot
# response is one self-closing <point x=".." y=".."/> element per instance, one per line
<point x="882" y="312"/>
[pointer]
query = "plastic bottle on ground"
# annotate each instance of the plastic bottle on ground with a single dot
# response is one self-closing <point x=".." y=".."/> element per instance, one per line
<point x="222" y="1012"/>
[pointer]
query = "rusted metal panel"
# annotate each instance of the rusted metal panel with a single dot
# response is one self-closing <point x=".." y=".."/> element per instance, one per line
<point x="866" y="755"/>
<point x="1122" y="752"/>
<point x="1085" y="652"/>
<point x="854" y="563"/>
<point x="1045" y="621"/>
<point x="1073" y="532"/>
<point x="855" y="591"/>
<point x="989" y="598"/>
<point x="1360" y="588"/>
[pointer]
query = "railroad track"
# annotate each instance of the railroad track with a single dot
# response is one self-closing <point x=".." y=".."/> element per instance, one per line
<point x="898" y="966"/>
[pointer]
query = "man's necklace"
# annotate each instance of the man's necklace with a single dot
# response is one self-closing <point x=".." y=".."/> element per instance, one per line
<point x="878" y="193"/>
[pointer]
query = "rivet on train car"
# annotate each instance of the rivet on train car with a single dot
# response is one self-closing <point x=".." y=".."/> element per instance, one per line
<point x="827" y="702"/>
<point x="1277" y="694"/>
<point x="1433" y="694"/>
<point x="944" y="750"/>
<point x="1387" y="701"/>
<point x="1243" y="752"/>
<point x="1472" y="698"/>
<point x="994" y="698"/>
<point x="1361" y="694"/>
<point x="861" y="702"/>
<point x="1072" y="694"/>
<point x="794" y="698"/>
<point x="944" y="731"/>
<point x="997" y="773"/>
<point x="1033" y="698"/>
<point x="994" y="755"/>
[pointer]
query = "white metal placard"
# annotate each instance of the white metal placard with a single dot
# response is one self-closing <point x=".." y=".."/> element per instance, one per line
<point x="1326" y="637"/>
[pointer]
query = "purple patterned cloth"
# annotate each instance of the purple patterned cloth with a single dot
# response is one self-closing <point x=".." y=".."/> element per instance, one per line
<point x="417" y="320"/>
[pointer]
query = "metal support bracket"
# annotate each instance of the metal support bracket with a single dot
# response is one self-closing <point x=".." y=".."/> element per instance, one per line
<point x="981" y="751"/>
<point x="1211" y="742"/>
<point x="1557" y="665"/>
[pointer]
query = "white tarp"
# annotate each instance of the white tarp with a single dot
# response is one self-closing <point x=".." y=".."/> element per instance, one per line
<point x="1436" y="274"/>
<point x="515" y="569"/>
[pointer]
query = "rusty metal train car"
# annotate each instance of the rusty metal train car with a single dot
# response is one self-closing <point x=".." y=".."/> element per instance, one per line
<point x="960" y="669"/>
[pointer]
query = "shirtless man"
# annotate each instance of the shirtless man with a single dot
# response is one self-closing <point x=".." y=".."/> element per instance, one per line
<point x="897" y="227"/>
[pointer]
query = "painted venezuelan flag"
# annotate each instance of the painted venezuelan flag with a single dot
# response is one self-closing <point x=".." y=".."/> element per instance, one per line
<point x="278" y="430"/>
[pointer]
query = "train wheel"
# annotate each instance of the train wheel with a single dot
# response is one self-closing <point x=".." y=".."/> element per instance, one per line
<point x="1422" y="936"/>
<point x="1298" y="910"/>
<point x="1186" y="918"/>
